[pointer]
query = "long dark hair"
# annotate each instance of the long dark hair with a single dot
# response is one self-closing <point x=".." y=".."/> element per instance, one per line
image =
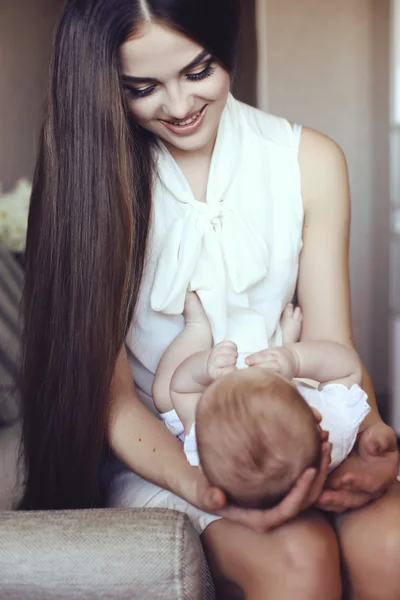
<point x="87" y="233"/>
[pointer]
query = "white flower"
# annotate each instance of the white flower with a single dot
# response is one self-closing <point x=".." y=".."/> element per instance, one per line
<point x="14" y="208"/>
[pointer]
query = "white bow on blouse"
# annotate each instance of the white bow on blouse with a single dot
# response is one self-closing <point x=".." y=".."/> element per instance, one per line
<point x="211" y="243"/>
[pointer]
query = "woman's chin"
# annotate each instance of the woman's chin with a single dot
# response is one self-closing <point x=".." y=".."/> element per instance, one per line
<point x="193" y="143"/>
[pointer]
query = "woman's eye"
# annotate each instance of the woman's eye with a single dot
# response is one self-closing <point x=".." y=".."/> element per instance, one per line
<point x="134" y="93"/>
<point x="206" y="72"/>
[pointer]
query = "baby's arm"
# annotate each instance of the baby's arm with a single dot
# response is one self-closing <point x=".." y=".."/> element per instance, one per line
<point x="195" y="374"/>
<point x="195" y="337"/>
<point x="322" y="361"/>
<point x="328" y="362"/>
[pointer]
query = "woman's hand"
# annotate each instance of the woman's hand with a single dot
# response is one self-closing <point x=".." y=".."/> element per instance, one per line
<point x="303" y="495"/>
<point x="366" y="474"/>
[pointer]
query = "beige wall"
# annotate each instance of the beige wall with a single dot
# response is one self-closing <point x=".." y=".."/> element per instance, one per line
<point x="328" y="69"/>
<point x="25" y="41"/>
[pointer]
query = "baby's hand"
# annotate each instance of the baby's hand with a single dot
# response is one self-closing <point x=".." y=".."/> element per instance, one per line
<point x="283" y="360"/>
<point x="222" y="360"/>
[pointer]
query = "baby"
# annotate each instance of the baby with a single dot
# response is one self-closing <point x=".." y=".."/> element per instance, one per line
<point x="256" y="431"/>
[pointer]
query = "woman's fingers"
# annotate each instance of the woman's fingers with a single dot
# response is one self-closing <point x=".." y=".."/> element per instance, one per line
<point x="324" y="435"/>
<point x="294" y="502"/>
<point x="303" y="494"/>
<point x="288" y="508"/>
<point x="200" y="493"/>
<point x="319" y="482"/>
<point x="213" y="499"/>
<point x="365" y="482"/>
<point x="340" y="501"/>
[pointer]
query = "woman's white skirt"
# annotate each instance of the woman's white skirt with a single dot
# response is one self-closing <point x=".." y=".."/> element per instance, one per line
<point x="128" y="490"/>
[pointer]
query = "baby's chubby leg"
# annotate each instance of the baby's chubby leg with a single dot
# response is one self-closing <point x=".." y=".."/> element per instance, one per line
<point x="194" y="312"/>
<point x="195" y="337"/>
<point x="291" y="323"/>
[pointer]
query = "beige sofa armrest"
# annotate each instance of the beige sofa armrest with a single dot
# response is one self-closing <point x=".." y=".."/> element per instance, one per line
<point x="113" y="554"/>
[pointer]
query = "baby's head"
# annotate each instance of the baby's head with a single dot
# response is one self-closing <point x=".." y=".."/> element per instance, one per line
<point x="255" y="436"/>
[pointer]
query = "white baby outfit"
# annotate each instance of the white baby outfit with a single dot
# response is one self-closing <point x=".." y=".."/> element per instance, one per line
<point x="239" y="251"/>
<point x="342" y="410"/>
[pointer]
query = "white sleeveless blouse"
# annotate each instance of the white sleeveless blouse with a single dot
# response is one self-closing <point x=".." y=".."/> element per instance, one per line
<point x="239" y="250"/>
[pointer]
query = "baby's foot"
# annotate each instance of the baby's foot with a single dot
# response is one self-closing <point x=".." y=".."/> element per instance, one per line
<point x="193" y="310"/>
<point x="291" y="322"/>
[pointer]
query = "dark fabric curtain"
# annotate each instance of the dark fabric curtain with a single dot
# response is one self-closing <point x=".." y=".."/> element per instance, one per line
<point x="245" y="86"/>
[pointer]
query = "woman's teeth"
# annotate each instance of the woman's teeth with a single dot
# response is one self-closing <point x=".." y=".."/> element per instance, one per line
<point x="188" y="121"/>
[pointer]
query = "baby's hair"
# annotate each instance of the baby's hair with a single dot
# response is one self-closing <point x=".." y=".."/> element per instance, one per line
<point x="255" y="435"/>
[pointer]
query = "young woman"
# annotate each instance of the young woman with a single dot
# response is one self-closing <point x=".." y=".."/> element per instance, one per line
<point x="151" y="178"/>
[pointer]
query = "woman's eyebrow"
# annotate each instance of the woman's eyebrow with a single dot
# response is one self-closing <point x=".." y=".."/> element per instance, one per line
<point x="196" y="61"/>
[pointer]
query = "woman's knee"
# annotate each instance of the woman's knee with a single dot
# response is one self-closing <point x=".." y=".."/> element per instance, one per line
<point x="370" y="543"/>
<point x="310" y="549"/>
<point x="299" y="559"/>
<point x="304" y="561"/>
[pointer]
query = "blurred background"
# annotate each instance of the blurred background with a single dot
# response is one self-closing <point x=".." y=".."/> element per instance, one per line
<point x="333" y="65"/>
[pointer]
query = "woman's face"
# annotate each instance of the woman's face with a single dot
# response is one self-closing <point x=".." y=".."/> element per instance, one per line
<point x="174" y="87"/>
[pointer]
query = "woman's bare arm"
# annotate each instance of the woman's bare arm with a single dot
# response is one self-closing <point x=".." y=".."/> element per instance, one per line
<point x="143" y="443"/>
<point x="323" y="286"/>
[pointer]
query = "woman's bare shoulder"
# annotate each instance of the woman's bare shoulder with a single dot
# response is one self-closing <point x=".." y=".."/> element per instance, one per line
<point x="323" y="286"/>
<point x="324" y="172"/>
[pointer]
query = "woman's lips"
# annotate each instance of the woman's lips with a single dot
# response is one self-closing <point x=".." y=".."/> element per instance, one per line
<point x="189" y="128"/>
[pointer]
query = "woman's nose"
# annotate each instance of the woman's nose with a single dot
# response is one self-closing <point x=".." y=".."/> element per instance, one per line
<point x="178" y="104"/>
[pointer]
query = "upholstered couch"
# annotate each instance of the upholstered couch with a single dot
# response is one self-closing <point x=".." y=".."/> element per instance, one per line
<point x="93" y="554"/>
